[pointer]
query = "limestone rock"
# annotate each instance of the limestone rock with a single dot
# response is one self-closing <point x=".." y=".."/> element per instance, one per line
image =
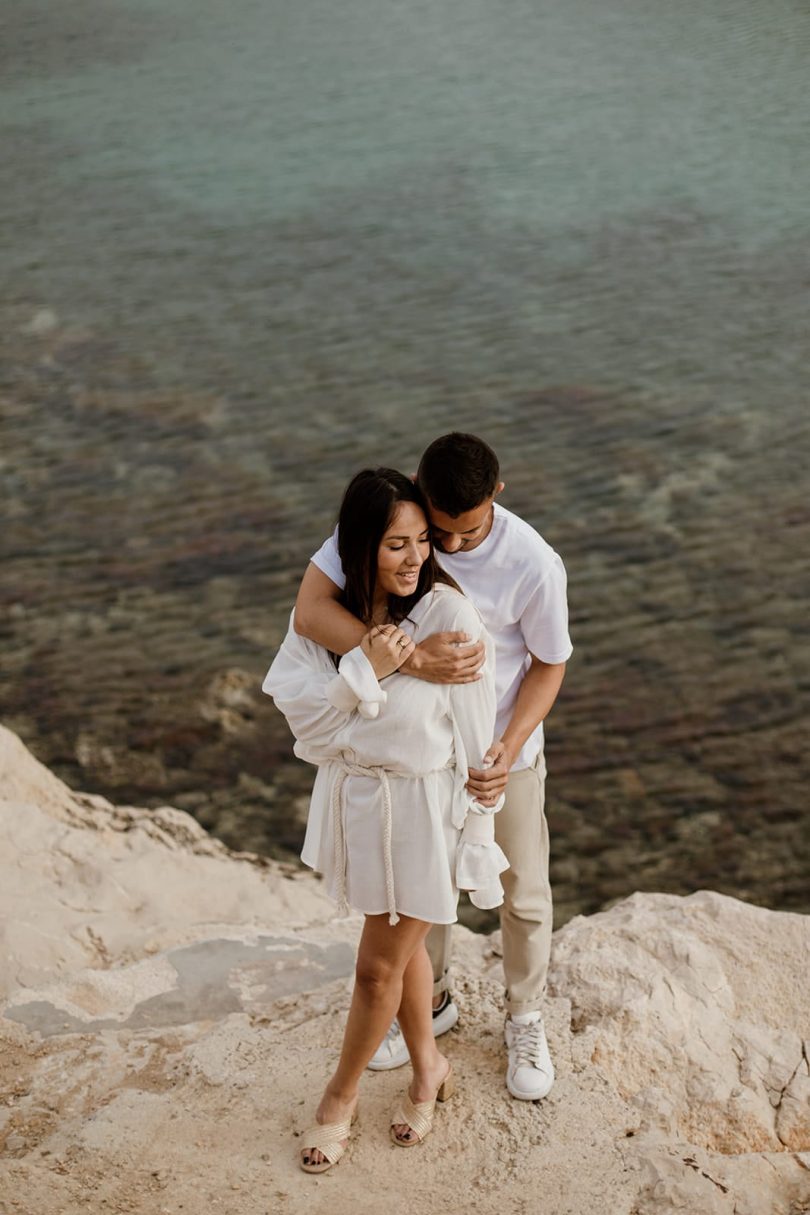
<point x="171" y="1010"/>
<point x="87" y="884"/>
<point x="696" y="1009"/>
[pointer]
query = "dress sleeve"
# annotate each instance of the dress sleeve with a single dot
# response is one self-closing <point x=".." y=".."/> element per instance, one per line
<point x="316" y="699"/>
<point x="479" y="860"/>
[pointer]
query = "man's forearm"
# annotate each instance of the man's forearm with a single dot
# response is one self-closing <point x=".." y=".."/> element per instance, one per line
<point x="331" y="626"/>
<point x="537" y="694"/>
<point x="320" y="617"/>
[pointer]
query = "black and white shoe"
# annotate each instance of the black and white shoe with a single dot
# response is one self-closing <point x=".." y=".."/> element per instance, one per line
<point x="393" y="1051"/>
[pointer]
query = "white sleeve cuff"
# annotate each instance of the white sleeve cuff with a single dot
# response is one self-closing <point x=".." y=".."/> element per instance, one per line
<point x="480" y="861"/>
<point x="478" y="829"/>
<point x="487" y="897"/>
<point x="356" y="686"/>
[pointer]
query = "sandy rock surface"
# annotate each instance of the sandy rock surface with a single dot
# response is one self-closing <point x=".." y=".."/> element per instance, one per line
<point x="170" y="1010"/>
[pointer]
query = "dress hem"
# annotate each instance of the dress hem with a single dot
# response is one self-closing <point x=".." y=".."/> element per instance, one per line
<point x="383" y="910"/>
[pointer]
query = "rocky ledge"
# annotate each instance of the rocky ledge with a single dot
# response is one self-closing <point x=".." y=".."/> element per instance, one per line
<point x="170" y="1009"/>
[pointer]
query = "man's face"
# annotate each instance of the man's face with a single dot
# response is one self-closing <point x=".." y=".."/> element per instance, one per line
<point x="461" y="533"/>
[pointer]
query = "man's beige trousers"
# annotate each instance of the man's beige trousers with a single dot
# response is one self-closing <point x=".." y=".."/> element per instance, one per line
<point x="526" y="914"/>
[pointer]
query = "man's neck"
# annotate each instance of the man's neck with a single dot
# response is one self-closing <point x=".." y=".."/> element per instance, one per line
<point x="490" y="521"/>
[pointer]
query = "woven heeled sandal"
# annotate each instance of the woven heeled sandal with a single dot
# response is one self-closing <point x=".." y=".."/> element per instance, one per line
<point x="418" y="1115"/>
<point x="328" y="1139"/>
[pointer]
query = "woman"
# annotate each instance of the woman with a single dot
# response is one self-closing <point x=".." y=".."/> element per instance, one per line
<point x="391" y="825"/>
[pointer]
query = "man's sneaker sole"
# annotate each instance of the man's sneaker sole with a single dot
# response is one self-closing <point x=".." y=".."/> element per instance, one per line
<point x="443" y="1021"/>
<point x="537" y="1095"/>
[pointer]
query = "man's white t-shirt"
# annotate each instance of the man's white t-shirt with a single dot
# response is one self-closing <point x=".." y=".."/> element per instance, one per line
<point x="518" y="583"/>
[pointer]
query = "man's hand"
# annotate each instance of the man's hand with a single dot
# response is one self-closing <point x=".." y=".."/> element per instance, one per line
<point x="446" y="658"/>
<point x="488" y="783"/>
<point x="386" y="648"/>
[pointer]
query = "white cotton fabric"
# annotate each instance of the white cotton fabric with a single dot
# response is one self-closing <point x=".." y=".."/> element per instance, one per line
<point x="417" y="738"/>
<point x="518" y="583"/>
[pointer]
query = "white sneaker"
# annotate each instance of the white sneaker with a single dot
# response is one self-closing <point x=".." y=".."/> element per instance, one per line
<point x="393" y="1050"/>
<point x="530" y="1072"/>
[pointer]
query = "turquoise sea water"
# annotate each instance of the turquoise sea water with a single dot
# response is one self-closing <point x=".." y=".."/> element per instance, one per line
<point x="249" y="249"/>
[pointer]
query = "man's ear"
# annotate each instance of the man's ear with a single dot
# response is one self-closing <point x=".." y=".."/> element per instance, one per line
<point x="499" y="488"/>
<point x="413" y="478"/>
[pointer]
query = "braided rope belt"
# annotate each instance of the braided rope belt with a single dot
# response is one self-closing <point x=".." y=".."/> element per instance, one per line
<point x="346" y="769"/>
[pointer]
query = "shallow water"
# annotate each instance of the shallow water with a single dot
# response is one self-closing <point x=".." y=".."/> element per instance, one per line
<point x="250" y="250"/>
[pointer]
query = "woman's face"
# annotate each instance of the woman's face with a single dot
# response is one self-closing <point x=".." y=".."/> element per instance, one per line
<point x="403" y="549"/>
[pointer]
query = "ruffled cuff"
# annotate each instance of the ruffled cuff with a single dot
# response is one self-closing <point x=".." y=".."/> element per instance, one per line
<point x="356" y="686"/>
<point x="487" y="897"/>
<point x="480" y="861"/>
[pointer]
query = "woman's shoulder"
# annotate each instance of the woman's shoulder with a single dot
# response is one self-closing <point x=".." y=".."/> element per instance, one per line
<point x="294" y="652"/>
<point x="448" y="610"/>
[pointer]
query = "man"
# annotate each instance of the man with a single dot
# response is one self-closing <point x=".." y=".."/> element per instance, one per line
<point x="518" y="584"/>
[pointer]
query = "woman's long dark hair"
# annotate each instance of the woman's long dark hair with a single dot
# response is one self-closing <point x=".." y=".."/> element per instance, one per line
<point x="368" y="507"/>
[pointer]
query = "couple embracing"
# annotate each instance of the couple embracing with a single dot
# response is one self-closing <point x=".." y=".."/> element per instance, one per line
<point x="428" y="643"/>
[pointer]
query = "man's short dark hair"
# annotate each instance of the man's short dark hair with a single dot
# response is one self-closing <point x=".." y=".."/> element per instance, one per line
<point x="457" y="473"/>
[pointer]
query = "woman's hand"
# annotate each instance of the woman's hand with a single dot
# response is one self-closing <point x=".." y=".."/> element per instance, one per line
<point x="386" y="647"/>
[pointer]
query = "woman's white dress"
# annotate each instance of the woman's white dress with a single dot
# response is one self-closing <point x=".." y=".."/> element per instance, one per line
<point x="391" y="826"/>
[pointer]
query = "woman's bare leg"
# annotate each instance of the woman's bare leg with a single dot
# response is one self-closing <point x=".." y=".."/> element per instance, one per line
<point x="382" y="958"/>
<point x="416" y="1022"/>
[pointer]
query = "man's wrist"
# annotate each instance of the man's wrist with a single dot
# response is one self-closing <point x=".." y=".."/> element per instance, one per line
<point x="413" y="665"/>
<point x="510" y="752"/>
